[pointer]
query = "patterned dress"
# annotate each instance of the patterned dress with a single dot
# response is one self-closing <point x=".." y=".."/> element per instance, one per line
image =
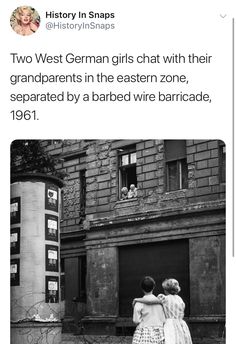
<point x="175" y="328"/>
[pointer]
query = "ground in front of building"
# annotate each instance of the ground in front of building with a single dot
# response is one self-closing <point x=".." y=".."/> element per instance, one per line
<point x="85" y="339"/>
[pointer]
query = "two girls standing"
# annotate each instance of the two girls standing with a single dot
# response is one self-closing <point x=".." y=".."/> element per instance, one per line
<point x="171" y="329"/>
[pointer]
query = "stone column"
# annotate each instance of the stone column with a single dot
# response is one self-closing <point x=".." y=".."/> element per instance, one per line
<point x="35" y="259"/>
<point x="207" y="286"/>
<point x="102" y="290"/>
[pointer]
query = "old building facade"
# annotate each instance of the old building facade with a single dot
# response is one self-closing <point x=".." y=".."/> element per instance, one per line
<point x="172" y="225"/>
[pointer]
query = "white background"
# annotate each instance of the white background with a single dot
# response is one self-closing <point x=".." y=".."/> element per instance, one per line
<point x="151" y="27"/>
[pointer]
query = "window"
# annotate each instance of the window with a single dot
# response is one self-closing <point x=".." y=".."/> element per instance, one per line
<point x="82" y="178"/>
<point x="127" y="168"/>
<point x="176" y="165"/>
<point x="62" y="279"/>
<point x="222" y="161"/>
<point x="82" y="278"/>
<point x="62" y="206"/>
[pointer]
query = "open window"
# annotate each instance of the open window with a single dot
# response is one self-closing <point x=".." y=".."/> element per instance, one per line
<point x="176" y="165"/>
<point x="127" y="169"/>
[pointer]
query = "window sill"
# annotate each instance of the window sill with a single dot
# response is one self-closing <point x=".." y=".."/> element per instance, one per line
<point x="175" y="191"/>
<point x="126" y="202"/>
<point x="175" y="194"/>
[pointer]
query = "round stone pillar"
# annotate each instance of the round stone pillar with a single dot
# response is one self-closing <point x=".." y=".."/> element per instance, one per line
<point x="35" y="259"/>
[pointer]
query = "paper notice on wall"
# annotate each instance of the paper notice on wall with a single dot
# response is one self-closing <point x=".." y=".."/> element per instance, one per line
<point x="14" y="207"/>
<point x="52" y="254"/>
<point x="13" y="268"/>
<point x="52" y="194"/>
<point x="52" y="224"/>
<point x="14" y="237"/>
<point x="52" y="285"/>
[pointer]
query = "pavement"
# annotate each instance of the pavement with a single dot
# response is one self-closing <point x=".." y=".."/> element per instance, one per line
<point x="86" y="339"/>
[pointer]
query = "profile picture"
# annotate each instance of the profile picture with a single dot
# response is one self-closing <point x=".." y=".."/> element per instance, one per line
<point x="25" y="20"/>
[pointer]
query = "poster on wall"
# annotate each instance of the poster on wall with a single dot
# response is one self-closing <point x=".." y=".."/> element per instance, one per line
<point x="15" y="272"/>
<point x="15" y="210"/>
<point x="15" y="240"/>
<point x="51" y="197"/>
<point x="51" y="258"/>
<point x="51" y="227"/>
<point x="51" y="289"/>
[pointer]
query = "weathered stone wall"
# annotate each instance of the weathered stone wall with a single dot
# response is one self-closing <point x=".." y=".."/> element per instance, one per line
<point x="100" y="159"/>
<point x="102" y="281"/>
<point x="204" y="169"/>
<point x="207" y="275"/>
<point x="195" y="214"/>
<point x="205" y="233"/>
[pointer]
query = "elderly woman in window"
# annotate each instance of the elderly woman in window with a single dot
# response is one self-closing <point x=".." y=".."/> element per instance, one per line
<point x="124" y="193"/>
<point x="132" y="191"/>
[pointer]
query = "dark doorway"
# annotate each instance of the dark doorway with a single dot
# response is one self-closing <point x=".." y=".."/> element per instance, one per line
<point x="160" y="260"/>
<point x="75" y="290"/>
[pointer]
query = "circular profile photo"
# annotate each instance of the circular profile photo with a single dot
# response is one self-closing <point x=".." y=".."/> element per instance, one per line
<point x="25" y="20"/>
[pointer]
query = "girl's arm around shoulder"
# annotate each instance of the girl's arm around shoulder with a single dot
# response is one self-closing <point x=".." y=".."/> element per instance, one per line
<point x="147" y="302"/>
<point x="161" y="298"/>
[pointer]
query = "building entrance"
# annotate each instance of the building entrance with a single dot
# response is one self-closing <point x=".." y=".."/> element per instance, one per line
<point x="75" y="292"/>
<point x="160" y="260"/>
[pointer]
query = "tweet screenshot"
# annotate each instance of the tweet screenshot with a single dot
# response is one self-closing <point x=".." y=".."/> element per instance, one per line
<point x="118" y="144"/>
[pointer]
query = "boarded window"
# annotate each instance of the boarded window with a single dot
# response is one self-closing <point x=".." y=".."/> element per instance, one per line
<point x="160" y="260"/>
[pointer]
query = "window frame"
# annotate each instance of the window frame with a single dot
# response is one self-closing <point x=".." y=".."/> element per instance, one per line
<point x="222" y="158"/>
<point x="82" y="205"/>
<point x="123" y="168"/>
<point x="181" y="162"/>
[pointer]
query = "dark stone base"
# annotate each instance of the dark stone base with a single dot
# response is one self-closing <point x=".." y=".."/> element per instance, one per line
<point x="70" y="326"/>
<point x="211" y="328"/>
<point x="204" y="330"/>
<point x="99" y="325"/>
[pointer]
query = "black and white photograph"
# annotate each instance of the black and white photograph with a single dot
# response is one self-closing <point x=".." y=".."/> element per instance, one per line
<point x="118" y="241"/>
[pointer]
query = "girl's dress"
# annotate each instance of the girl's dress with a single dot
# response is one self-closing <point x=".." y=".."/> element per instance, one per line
<point x="150" y="319"/>
<point x="175" y="328"/>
